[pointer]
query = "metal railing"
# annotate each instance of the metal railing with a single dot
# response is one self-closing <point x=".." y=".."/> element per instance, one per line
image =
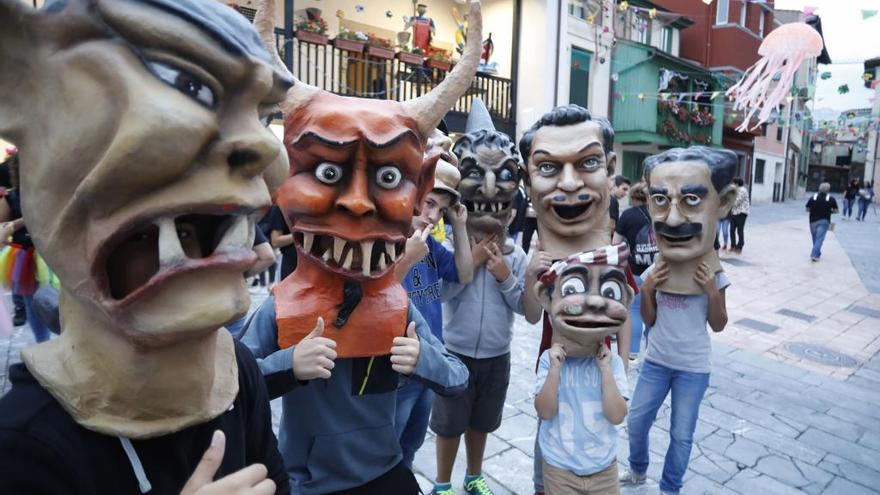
<point x="371" y="75"/>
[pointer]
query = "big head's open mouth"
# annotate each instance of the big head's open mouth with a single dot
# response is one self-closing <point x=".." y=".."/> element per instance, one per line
<point x="150" y="251"/>
<point x="360" y="259"/>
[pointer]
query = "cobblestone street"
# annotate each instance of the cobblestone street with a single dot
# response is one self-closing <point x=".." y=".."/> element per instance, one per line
<point x="794" y="400"/>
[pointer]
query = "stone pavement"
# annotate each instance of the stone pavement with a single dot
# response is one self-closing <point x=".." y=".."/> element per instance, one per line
<point x="794" y="400"/>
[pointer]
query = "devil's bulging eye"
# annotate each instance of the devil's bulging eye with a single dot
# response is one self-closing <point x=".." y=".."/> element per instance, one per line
<point x="328" y="173"/>
<point x="573" y="286"/>
<point x="388" y="177"/>
<point x="611" y="289"/>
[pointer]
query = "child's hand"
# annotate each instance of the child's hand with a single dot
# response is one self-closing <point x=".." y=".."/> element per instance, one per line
<point x="704" y="278"/>
<point x="557" y="355"/>
<point x="496" y="264"/>
<point x="657" y="277"/>
<point x="478" y="249"/>
<point x="417" y="244"/>
<point x="603" y="357"/>
<point x="539" y="263"/>
<point x="314" y="356"/>
<point x="457" y="215"/>
<point x="405" y="351"/>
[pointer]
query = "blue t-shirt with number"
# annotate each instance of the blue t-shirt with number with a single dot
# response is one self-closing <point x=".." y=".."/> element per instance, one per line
<point x="422" y="283"/>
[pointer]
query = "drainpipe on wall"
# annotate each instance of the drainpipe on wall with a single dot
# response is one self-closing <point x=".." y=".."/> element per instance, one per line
<point x="288" y="34"/>
<point x="558" y="54"/>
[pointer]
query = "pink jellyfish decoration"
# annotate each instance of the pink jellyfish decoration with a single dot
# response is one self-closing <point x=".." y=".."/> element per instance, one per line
<point x="782" y="52"/>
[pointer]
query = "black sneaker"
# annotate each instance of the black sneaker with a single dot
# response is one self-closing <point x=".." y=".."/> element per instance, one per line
<point x="20" y="317"/>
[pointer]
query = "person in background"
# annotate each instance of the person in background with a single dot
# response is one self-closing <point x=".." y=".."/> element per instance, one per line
<point x="518" y="217"/>
<point x="866" y="195"/>
<point x="19" y="316"/>
<point x="265" y="258"/>
<point x="820" y="205"/>
<point x="636" y="230"/>
<point x="530" y="226"/>
<point x="738" y="215"/>
<point x="619" y="191"/>
<point x="849" y="198"/>
<point x="724" y="230"/>
<point x="282" y="239"/>
<point x="264" y="227"/>
<point x="18" y="261"/>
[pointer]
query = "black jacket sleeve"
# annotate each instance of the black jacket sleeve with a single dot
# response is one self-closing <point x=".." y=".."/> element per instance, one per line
<point x="29" y="466"/>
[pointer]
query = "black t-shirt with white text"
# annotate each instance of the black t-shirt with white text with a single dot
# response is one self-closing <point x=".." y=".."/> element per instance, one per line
<point x="635" y="226"/>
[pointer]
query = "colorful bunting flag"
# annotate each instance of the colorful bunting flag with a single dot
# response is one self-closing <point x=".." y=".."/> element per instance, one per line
<point x="867" y="14"/>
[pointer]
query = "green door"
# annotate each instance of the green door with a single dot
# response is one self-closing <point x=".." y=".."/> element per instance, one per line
<point x="579" y="81"/>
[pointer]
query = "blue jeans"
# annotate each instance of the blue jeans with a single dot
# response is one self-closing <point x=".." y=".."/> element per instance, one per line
<point x="635" y="318"/>
<point x="41" y="331"/>
<point x="411" y="420"/>
<point x="818" y="229"/>
<point x="863" y="208"/>
<point x="848" y="206"/>
<point x="724" y="228"/>
<point x="653" y="386"/>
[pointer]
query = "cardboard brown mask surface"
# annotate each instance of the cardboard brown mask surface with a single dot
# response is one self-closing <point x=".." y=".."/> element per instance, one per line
<point x="143" y="170"/>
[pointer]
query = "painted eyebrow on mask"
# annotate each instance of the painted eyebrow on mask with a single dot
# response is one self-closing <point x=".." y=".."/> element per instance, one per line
<point x="325" y="141"/>
<point x="659" y="190"/>
<point x="391" y="142"/>
<point x="698" y="189"/>
<point x="614" y="274"/>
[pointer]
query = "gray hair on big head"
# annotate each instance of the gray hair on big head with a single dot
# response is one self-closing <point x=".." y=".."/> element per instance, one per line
<point x="721" y="162"/>
<point x="824" y="187"/>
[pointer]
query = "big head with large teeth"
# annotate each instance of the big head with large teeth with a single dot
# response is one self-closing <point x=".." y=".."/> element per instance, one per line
<point x="358" y="175"/>
<point x="491" y="170"/>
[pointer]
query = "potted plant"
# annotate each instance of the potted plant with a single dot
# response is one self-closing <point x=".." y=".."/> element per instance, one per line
<point x="312" y="29"/>
<point x="413" y="57"/>
<point x="379" y="47"/>
<point x="439" y="60"/>
<point x="352" y="41"/>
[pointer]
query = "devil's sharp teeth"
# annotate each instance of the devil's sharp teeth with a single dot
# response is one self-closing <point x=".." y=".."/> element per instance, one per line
<point x="238" y="235"/>
<point x="326" y="256"/>
<point x="307" y="242"/>
<point x="382" y="264"/>
<point x="366" y="256"/>
<point x="391" y="249"/>
<point x="338" y="245"/>
<point x="170" y="250"/>
<point x="348" y="258"/>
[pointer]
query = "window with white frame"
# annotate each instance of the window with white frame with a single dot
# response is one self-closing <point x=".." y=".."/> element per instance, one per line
<point x="744" y="13"/>
<point x="722" y="6"/>
<point x="761" y="24"/>
<point x="666" y="39"/>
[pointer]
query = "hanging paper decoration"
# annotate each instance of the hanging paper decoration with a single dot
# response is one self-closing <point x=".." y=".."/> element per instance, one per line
<point x="843" y="89"/>
<point x="808" y="11"/>
<point x="623" y="6"/>
<point x="340" y="14"/>
<point x="715" y="95"/>
<point x="874" y="84"/>
<point x="825" y="75"/>
<point x="867" y="76"/>
<point x="867" y="14"/>
<point x="652" y="13"/>
<point x="782" y="52"/>
<point x="359" y="8"/>
<point x="642" y="96"/>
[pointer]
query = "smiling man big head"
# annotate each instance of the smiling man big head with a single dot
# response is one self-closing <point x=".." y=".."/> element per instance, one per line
<point x="569" y="160"/>
<point x="145" y="160"/>
<point x="689" y="190"/>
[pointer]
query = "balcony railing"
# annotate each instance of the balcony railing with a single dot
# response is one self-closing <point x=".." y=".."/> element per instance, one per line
<point x="354" y="69"/>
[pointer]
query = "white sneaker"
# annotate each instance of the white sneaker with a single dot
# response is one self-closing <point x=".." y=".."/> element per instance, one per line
<point x="628" y="477"/>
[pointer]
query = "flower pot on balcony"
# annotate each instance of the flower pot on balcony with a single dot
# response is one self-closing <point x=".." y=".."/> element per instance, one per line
<point x="411" y="58"/>
<point x="439" y="64"/>
<point x="380" y="52"/>
<point x="310" y="37"/>
<point x="349" y="45"/>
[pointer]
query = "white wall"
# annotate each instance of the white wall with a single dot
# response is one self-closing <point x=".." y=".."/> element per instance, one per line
<point x="773" y="171"/>
<point x="537" y="62"/>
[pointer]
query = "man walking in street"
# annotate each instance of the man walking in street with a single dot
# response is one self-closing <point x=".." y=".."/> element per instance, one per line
<point x="820" y="205"/>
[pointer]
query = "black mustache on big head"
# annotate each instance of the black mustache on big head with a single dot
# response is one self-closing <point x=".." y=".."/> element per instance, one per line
<point x="683" y="230"/>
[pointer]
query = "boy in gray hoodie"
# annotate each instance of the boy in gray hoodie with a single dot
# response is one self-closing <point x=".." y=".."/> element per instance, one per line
<point x="478" y="317"/>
